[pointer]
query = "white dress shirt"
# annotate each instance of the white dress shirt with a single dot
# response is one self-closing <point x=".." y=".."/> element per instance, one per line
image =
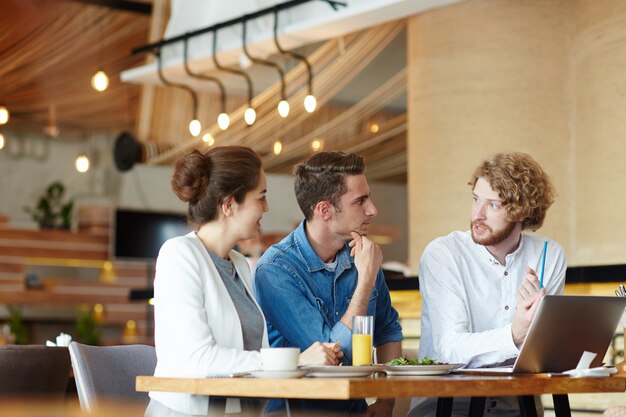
<point x="469" y="297"/>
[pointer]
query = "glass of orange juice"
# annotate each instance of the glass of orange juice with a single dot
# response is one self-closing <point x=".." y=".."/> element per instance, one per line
<point x="362" y="335"/>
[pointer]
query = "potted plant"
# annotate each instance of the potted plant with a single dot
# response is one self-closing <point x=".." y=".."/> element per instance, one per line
<point x="87" y="331"/>
<point x="51" y="212"/>
<point x="17" y="327"/>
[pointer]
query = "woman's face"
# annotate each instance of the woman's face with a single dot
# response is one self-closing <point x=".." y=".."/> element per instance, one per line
<point x="248" y="214"/>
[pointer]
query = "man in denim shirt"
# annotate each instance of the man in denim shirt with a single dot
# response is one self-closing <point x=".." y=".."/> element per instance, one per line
<point x="312" y="283"/>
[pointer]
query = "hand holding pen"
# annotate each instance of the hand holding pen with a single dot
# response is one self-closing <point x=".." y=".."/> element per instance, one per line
<point x="528" y="297"/>
<point x="529" y="289"/>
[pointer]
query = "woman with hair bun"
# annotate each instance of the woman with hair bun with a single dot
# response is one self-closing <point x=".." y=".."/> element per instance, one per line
<point x="207" y="321"/>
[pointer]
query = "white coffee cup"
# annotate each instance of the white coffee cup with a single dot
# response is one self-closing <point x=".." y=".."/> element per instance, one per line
<point x="280" y="358"/>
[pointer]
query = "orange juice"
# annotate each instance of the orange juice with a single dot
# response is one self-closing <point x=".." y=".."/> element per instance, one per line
<point x="361" y="349"/>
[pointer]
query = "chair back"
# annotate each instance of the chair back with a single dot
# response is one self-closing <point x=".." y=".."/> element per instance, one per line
<point x="34" y="370"/>
<point x="108" y="372"/>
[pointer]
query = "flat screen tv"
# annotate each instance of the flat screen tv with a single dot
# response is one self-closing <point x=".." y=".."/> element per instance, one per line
<point x="140" y="234"/>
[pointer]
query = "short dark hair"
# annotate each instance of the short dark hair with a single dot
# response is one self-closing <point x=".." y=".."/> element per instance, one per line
<point x="521" y="183"/>
<point x="322" y="178"/>
<point x="205" y="180"/>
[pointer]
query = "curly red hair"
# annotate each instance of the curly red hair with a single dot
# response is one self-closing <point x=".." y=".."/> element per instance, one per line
<point x="524" y="187"/>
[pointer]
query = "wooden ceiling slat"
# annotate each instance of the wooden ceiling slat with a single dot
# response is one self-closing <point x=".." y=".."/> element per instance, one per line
<point x="49" y="54"/>
<point x="49" y="50"/>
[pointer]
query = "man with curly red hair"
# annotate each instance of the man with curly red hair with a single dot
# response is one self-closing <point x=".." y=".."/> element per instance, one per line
<point x="479" y="288"/>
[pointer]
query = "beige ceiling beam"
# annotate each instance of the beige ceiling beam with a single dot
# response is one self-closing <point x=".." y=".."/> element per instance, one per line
<point x="374" y="101"/>
<point x="160" y="11"/>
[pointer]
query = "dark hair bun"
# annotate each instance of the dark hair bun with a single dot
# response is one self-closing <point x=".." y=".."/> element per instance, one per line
<point x="191" y="177"/>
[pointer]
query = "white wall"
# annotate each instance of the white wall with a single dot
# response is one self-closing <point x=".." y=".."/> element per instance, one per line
<point x="29" y="164"/>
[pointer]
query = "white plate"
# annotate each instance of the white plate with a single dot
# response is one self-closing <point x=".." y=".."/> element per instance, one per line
<point x="279" y="374"/>
<point x="343" y="371"/>
<point x="403" y="370"/>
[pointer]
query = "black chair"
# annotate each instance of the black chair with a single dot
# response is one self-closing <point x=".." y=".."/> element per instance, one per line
<point x="34" y="370"/>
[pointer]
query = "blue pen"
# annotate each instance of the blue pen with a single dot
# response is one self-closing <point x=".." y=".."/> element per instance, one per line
<point x="543" y="263"/>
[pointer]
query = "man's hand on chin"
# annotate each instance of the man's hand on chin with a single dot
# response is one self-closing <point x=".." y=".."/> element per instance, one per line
<point x="381" y="408"/>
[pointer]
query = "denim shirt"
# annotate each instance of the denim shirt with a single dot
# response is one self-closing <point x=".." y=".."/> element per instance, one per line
<point x="303" y="302"/>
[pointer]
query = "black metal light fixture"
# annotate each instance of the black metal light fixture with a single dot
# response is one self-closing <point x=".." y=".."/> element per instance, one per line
<point x="310" y="103"/>
<point x="223" y="120"/>
<point x="283" y="105"/>
<point x="100" y="80"/>
<point x="194" y="126"/>
<point x="250" y="114"/>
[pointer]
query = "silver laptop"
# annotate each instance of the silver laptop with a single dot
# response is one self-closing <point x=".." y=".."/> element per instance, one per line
<point x="564" y="327"/>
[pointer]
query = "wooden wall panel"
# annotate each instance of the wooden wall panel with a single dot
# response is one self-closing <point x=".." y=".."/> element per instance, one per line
<point x="598" y="129"/>
<point x="485" y="77"/>
<point x="56" y="256"/>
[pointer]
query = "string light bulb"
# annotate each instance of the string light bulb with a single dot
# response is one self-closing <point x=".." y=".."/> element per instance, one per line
<point x="82" y="163"/>
<point x="195" y="127"/>
<point x="316" y="145"/>
<point x="310" y="103"/>
<point x="2" y="140"/>
<point x="249" y="116"/>
<point x="223" y="121"/>
<point x="4" y="115"/>
<point x="208" y="139"/>
<point x="100" y="81"/>
<point x="283" y="108"/>
<point x="278" y="147"/>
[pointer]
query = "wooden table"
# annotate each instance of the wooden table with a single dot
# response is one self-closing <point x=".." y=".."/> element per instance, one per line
<point x="444" y="387"/>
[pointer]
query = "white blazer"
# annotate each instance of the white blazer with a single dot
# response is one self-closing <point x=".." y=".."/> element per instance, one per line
<point x="197" y="329"/>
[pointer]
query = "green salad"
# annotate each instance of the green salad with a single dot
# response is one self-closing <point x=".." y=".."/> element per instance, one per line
<point x="406" y="361"/>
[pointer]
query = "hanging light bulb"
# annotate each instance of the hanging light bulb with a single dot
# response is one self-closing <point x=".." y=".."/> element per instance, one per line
<point x="283" y="108"/>
<point x="82" y="163"/>
<point x="223" y="121"/>
<point x="100" y="81"/>
<point x="278" y="147"/>
<point x="249" y="116"/>
<point x="4" y="115"/>
<point x="2" y="140"/>
<point x="316" y="145"/>
<point x="195" y="127"/>
<point x="310" y="103"/>
<point x="208" y="139"/>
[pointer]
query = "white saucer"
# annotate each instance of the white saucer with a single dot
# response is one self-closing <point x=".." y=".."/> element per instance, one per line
<point x="298" y="373"/>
